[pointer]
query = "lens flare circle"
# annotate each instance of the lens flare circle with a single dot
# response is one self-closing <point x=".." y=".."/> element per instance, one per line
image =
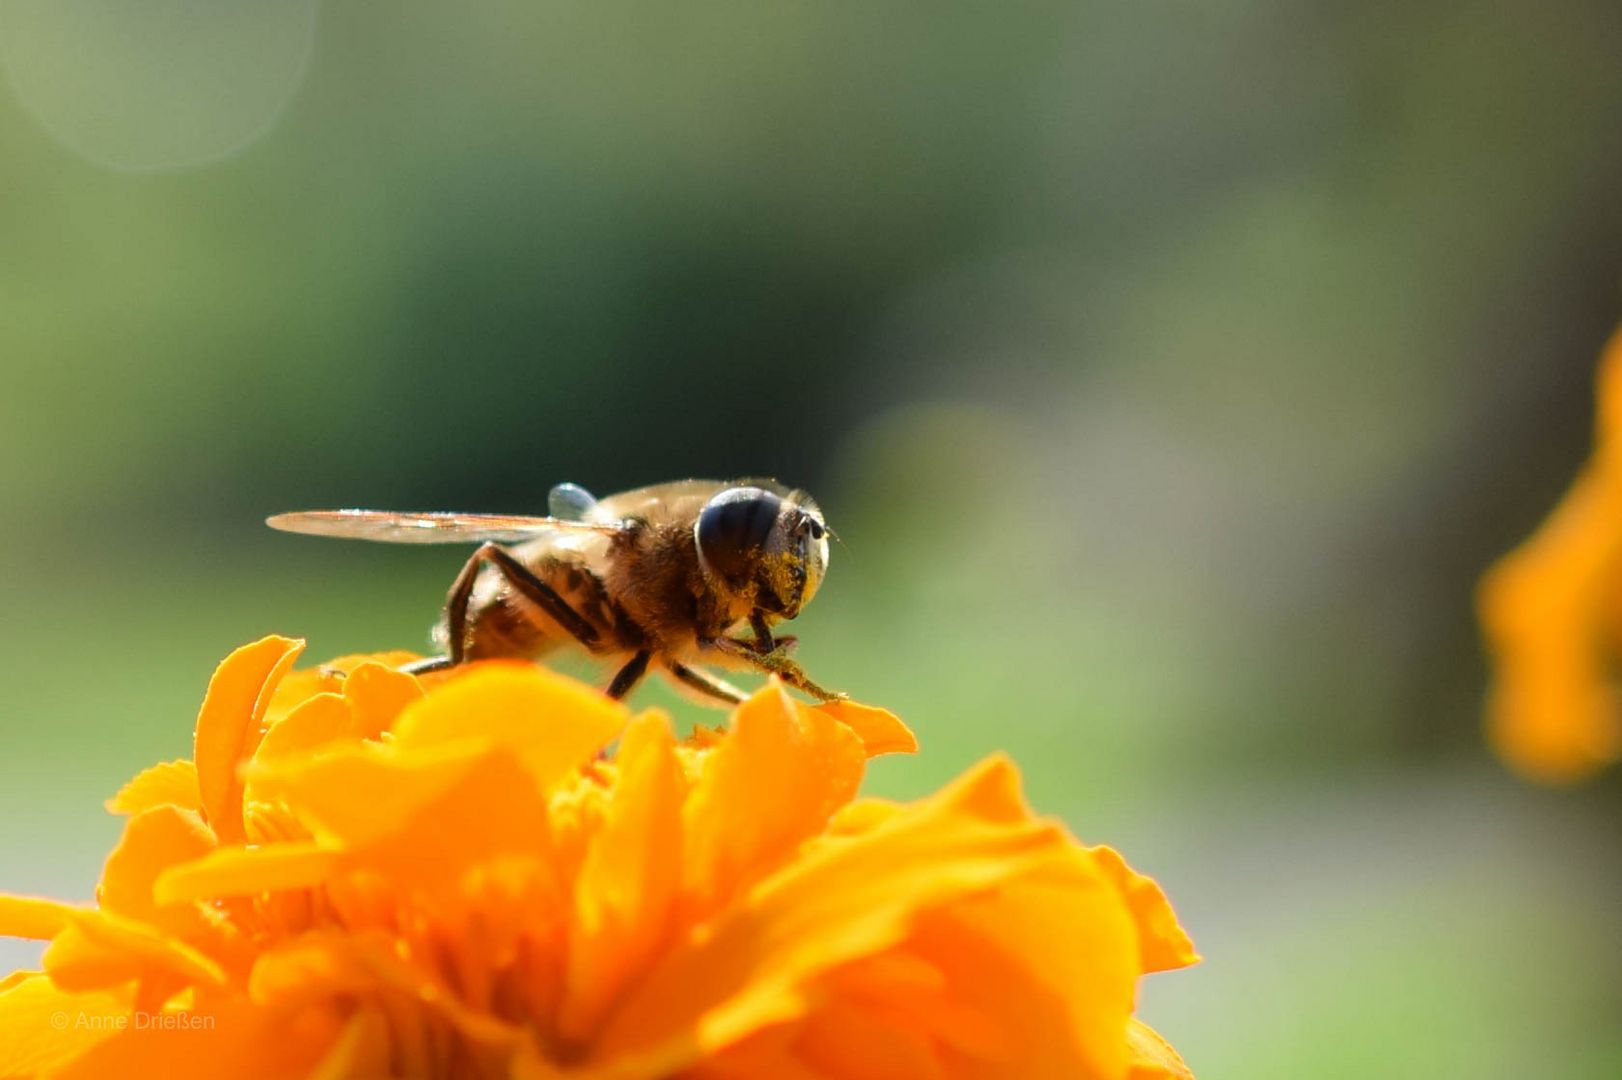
<point x="156" y="84"/>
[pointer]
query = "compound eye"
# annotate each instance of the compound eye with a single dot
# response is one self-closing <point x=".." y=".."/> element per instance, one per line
<point x="816" y="529"/>
<point x="733" y="529"/>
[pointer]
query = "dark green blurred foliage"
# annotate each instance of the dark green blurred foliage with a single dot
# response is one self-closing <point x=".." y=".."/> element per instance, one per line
<point x="1170" y="369"/>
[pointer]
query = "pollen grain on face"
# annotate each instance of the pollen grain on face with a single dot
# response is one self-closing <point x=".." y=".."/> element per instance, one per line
<point x="503" y="873"/>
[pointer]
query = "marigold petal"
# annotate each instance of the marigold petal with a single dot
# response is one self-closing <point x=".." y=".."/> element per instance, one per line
<point x="170" y="783"/>
<point x="1163" y="943"/>
<point x="854" y="1041"/>
<point x="774" y="781"/>
<point x="1608" y="391"/>
<point x="230" y="1038"/>
<point x="99" y="949"/>
<point x="914" y="993"/>
<point x="767" y="1053"/>
<point x="493" y="812"/>
<point x="460" y="881"/>
<point x="153" y="841"/>
<point x="362" y="1050"/>
<point x="630" y="876"/>
<point x="313" y="723"/>
<point x="1550" y="617"/>
<point x="552" y="722"/>
<point x="842" y="900"/>
<point x="861" y="816"/>
<point x="240" y="871"/>
<point x="1051" y="958"/>
<point x="419" y="816"/>
<point x="1152" y="1057"/>
<point x="378" y="694"/>
<point x="312" y="969"/>
<point x="34" y="917"/>
<point x="528" y="1063"/>
<point x="880" y="730"/>
<point x="43" y="1027"/>
<point x="231" y="723"/>
<point x="328" y="678"/>
<point x="1552" y="713"/>
<point x="326" y="964"/>
<point x="351" y="795"/>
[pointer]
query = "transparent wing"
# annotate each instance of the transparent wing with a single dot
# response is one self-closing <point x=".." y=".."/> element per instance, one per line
<point x="389" y="527"/>
<point x="681" y="500"/>
<point x="678" y="500"/>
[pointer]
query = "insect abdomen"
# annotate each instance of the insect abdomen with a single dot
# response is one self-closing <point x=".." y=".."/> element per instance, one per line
<point x="502" y="623"/>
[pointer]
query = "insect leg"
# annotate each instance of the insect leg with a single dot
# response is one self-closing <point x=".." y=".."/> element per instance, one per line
<point x="520" y="577"/>
<point x="630" y="674"/>
<point x="763" y="631"/>
<point x="427" y="665"/>
<point x="705" y="683"/>
<point x="776" y="663"/>
<point x="765" y="641"/>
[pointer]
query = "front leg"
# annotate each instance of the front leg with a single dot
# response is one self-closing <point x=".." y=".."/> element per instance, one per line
<point x="775" y="662"/>
<point x="763" y="632"/>
<point x="764" y="641"/>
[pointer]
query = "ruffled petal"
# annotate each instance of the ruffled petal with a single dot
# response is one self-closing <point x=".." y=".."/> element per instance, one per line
<point x="855" y="897"/>
<point x="229" y="1038"/>
<point x="1162" y="942"/>
<point x="352" y="795"/>
<point x="153" y="841"/>
<point x="464" y="882"/>
<point x="847" y="1040"/>
<point x="98" y="950"/>
<point x="243" y="871"/>
<point x="1552" y="713"/>
<point x="361" y="1050"/>
<point x="378" y="693"/>
<point x="553" y="723"/>
<point x="231" y="723"/>
<point x="1050" y="959"/>
<point x="880" y="730"/>
<point x="771" y="783"/>
<point x="1550" y="616"/>
<point x="44" y="1027"/>
<point x="34" y="917"/>
<point x="172" y="783"/>
<point x="328" y="678"/>
<point x="315" y="722"/>
<point x="420" y="816"/>
<point x="325" y="965"/>
<point x="627" y="886"/>
<point x="1151" y="1057"/>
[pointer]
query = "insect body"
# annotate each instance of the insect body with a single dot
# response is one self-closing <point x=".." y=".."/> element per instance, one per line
<point x="661" y="576"/>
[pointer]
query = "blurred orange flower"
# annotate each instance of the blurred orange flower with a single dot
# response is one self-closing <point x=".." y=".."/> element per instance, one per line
<point x="364" y="875"/>
<point x="1551" y="611"/>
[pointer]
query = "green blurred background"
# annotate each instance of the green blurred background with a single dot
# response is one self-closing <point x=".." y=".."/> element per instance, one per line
<point x="1171" y="370"/>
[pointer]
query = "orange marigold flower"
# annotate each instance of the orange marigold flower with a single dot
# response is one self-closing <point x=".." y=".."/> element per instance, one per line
<point x="1551" y="617"/>
<point x="361" y="874"/>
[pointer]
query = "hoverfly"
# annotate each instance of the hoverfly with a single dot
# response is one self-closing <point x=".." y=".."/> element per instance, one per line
<point x="666" y="575"/>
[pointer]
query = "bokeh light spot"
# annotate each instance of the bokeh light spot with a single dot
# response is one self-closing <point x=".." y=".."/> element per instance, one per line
<point x="155" y="84"/>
